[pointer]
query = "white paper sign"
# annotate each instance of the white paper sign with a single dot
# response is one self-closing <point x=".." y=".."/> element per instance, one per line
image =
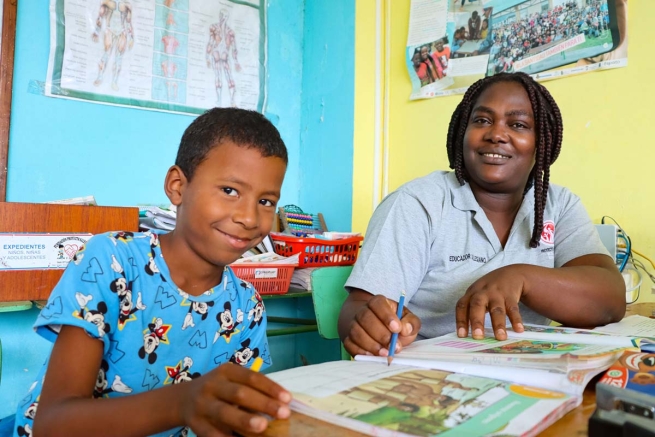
<point x="39" y="251"/>
<point x="265" y="273"/>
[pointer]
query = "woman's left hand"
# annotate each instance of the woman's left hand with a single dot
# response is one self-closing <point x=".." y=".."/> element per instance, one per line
<point x="497" y="293"/>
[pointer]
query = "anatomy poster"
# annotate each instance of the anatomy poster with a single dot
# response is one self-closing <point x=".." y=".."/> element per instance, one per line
<point x="169" y="55"/>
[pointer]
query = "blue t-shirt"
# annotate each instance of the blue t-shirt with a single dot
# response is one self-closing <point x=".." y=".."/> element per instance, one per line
<point x="119" y="290"/>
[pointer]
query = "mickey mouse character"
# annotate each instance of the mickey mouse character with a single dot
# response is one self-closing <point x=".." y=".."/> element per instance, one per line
<point x="25" y="431"/>
<point x="102" y="385"/>
<point x="121" y="236"/>
<point x="127" y="308"/>
<point x="157" y="333"/>
<point x="97" y="316"/>
<point x="200" y="308"/>
<point x="30" y="413"/>
<point x="256" y="314"/>
<point x="151" y="267"/>
<point x="181" y="373"/>
<point x="227" y="323"/>
<point x="245" y="354"/>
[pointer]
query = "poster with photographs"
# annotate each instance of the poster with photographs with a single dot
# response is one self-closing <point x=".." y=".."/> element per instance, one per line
<point x="182" y="56"/>
<point x="453" y="43"/>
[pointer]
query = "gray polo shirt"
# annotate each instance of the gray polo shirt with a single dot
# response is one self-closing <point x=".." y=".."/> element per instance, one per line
<point x="432" y="239"/>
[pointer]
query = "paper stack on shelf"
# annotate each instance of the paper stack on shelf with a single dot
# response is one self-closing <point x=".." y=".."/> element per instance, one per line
<point x="86" y="200"/>
<point x="301" y="278"/>
<point x="268" y="258"/>
<point x="157" y="218"/>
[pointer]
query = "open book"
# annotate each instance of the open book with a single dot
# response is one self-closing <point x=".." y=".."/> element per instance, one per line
<point x="448" y="386"/>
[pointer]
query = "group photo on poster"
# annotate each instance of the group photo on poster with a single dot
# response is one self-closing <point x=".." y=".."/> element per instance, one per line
<point x="169" y="55"/>
<point x="466" y="40"/>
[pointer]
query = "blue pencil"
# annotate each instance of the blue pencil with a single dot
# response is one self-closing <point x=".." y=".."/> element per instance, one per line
<point x="394" y="336"/>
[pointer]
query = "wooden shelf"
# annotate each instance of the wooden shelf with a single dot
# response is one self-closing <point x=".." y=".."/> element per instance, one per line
<point x="18" y="285"/>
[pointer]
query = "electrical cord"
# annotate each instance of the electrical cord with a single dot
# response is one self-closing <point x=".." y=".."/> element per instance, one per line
<point x="644" y="257"/>
<point x="625" y="255"/>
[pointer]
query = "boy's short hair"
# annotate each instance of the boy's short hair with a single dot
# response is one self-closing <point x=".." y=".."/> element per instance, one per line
<point x="241" y="126"/>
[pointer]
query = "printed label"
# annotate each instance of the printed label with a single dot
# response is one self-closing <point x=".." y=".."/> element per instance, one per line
<point x="39" y="251"/>
<point x="265" y="273"/>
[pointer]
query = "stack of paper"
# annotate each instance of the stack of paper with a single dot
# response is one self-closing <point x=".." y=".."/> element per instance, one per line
<point x="269" y="258"/>
<point x="86" y="200"/>
<point x="301" y="278"/>
<point x="155" y="217"/>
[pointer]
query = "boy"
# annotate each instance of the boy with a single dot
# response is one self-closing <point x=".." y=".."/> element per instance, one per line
<point x="158" y="329"/>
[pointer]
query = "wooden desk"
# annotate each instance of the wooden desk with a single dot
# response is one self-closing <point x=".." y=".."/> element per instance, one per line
<point x="574" y="423"/>
<point x="298" y="425"/>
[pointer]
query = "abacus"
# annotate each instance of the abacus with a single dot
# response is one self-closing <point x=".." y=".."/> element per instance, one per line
<point x="294" y="220"/>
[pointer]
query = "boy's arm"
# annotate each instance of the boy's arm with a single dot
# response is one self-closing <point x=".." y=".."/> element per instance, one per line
<point x="67" y="407"/>
<point x="210" y="404"/>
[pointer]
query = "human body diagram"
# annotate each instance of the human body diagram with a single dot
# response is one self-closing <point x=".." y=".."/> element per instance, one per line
<point x="221" y="52"/>
<point x="114" y="25"/>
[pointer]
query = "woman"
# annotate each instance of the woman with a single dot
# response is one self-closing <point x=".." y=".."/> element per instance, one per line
<point x="491" y="237"/>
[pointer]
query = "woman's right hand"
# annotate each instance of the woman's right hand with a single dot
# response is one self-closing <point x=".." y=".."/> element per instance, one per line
<point x="367" y="322"/>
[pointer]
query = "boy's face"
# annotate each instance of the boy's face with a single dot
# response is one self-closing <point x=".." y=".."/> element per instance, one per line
<point x="229" y="205"/>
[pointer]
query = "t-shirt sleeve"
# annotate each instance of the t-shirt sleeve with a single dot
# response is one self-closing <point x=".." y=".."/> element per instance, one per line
<point x="83" y="296"/>
<point x="396" y="251"/>
<point x="575" y="234"/>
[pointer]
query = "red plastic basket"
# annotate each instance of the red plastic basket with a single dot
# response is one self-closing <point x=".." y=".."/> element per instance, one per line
<point x="316" y="252"/>
<point x="266" y="278"/>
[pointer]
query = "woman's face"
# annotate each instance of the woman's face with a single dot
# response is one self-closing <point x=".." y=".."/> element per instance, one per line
<point x="499" y="142"/>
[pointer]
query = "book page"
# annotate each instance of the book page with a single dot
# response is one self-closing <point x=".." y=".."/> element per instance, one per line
<point x="572" y="382"/>
<point x="631" y="326"/>
<point x="558" y="354"/>
<point x="573" y="335"/>
<point x="401" y="400"/>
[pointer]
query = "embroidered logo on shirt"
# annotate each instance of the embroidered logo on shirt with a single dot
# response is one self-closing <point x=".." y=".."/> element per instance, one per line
<point x="548" y="233"/>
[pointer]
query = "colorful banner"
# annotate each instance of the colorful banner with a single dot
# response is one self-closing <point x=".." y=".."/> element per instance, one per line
<point x="169" y="55"/>
<point x="453" y="43"/>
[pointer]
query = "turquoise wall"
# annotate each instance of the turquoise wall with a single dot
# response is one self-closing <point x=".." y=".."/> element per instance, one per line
<point x="326" y="135"/>
<point x="63" y="148"/>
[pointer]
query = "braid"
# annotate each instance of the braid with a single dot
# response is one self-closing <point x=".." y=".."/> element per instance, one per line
<point x="548" y="138"/>
<point x="457" y="129"/>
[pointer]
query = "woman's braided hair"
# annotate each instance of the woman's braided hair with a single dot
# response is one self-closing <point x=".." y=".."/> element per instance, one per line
<point x="548" y="137"/>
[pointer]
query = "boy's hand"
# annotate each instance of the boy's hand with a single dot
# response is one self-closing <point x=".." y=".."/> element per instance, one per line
<point x="498" y="293"/>
<point x="232" y="398"/>
<point x="374" y="323"/>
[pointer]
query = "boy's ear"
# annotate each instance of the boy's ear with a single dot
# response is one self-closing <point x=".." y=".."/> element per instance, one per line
<point x="174" y="184"/>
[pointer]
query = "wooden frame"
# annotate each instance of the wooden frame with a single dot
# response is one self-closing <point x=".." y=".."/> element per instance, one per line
<point x="6" y="81"/>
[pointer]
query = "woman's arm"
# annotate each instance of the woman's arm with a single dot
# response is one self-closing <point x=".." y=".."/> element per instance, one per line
<point x="585" y="292"/>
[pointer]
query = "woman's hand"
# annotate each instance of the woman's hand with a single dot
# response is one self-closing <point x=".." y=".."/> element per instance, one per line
<point x="497" y="293"/>
<point x="374" y="320"/>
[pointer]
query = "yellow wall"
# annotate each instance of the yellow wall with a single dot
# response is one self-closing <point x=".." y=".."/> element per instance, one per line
<point x="608" y="153"/>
